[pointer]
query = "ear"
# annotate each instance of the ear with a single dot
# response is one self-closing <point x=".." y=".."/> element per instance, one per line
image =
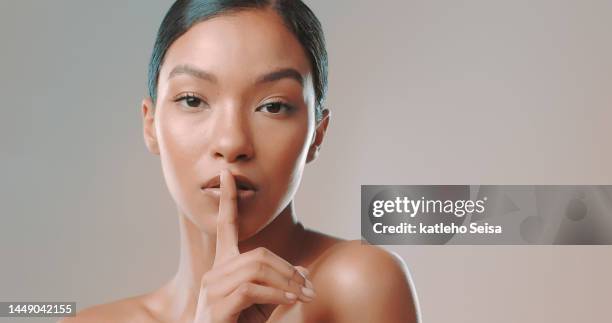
<point x="318" y="136"/>
<point x="148" y="122"/>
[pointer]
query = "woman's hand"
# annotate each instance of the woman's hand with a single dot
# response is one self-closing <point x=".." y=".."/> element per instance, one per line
<point x="238" y="282"/>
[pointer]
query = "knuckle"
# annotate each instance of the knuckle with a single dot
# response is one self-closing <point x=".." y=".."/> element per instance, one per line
<point x="258" y="270"/>
<point x="262" y="253"/>
<point x="245" y="290"/>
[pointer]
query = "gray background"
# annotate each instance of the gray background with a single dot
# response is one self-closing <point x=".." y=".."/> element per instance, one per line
<point x="422" y="92"/>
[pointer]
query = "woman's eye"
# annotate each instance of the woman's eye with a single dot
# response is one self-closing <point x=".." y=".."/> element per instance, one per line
<point x="276" y="107"/>
<point x="193" y="101"/>
<point x="190" y="101"/>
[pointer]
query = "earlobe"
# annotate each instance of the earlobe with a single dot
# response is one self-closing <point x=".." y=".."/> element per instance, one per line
<point x="148" y="122"/>
<point x="319" y="134"/>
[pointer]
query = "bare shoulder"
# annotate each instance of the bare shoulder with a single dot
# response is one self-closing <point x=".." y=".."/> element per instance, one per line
<point x="130" y="309"/>
<point x="364" y="283"/>
<point x="347" y="262"/>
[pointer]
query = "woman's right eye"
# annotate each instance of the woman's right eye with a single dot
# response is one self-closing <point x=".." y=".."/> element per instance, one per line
<point x="190" y="101"/>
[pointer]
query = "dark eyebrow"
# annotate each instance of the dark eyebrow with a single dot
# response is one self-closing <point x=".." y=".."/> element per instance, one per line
<point x="281" y="74"/>
<point x="193" y="71"/>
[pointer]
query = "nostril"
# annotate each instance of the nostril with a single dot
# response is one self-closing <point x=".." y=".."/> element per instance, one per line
<point x="233" y="156"/>
<point x="242" y="157"/>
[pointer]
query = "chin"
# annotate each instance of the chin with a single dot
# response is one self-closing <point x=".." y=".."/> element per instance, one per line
<point x="249" y="222"/>
<point x="252" y="223"/>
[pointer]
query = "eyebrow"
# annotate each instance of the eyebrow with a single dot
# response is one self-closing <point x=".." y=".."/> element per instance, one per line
<point x="193" y="71"/>
<point x="273" y="76"/>
<point x="280" y="74"/>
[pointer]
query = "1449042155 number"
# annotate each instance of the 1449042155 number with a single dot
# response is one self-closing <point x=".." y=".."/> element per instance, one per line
<point x="40" y="308"/>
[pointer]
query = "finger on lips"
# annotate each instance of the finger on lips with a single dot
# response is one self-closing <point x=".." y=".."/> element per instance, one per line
<point x="258" y="274"/>
<point x="227" y="223"/>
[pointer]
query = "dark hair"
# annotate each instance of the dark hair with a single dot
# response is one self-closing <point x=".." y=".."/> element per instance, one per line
<point x="298" y="18"/>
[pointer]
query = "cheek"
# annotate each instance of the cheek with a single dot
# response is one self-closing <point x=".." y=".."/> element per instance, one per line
<point x="179" y="150"/>
<point x="282" y="155"/>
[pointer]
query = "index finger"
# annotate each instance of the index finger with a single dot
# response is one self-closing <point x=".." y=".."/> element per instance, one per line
<point x="227" y="220"/>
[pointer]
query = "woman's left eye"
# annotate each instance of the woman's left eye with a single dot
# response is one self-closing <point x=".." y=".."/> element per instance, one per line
<point x="190" y="101"/>
<point x="276" y="107"/>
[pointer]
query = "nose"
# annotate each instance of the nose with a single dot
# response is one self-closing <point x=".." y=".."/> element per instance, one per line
<point x="231" y="139"/>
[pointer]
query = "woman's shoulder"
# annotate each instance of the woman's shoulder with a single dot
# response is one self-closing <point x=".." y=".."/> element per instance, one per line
<point x="346" y="260"/>
<point x="363" y="282"/>
<point x="332" y="254"/>
<point x="131" y="309"/>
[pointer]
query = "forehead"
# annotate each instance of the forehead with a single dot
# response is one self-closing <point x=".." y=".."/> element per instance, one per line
<point x="248" y="42"/>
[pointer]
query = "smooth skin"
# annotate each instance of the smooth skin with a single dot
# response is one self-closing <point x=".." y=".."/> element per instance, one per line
<point x="235" y="98"/>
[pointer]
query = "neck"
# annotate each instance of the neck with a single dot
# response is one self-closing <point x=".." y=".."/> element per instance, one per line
<point x="197" y="250"/>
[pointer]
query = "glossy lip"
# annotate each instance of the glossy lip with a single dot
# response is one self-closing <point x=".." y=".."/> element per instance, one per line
<point x="216" y="193"/>
<point x="242" y="183"/>
<point x="245" y="189"/>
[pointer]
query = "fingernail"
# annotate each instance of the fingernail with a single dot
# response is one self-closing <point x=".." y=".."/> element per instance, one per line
<point x="303" y="271"/>
<point x="309" y="284"/>
<point x="290" y="296"/>
<point x="309" y="292"/>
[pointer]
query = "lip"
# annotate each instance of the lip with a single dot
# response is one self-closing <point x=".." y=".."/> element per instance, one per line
<point x="216" y="193"/>
<point x="245" y="188"/>
<point x="242" y="183"/>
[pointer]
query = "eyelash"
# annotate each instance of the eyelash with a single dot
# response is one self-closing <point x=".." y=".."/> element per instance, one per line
<point x="288" y="108"/>
<point x="186" y="96"/>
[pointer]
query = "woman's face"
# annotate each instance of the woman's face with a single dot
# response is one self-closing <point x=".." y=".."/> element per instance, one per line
<point x="234" y="92"/>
